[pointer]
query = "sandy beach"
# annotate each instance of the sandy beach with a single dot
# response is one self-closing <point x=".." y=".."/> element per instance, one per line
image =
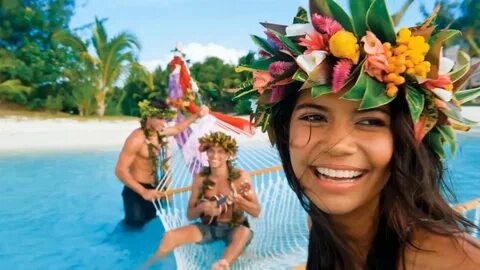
<point x="23" y="134"/>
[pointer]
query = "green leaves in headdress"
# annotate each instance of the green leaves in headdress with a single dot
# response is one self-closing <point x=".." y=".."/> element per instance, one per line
<point x="380" y="22"/>
<point x="416" y="102"/>
<point x="146" y="110"/>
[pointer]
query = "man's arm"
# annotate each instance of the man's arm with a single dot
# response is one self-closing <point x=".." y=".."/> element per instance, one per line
<point x="249" y="201"/>
<point x="172" y="131"/>
<point x="195" y="210"/>
<point x="125" y="160"/>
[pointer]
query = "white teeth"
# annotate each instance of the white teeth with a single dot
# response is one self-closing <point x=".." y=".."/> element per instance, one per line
<point x="338" y="173"/>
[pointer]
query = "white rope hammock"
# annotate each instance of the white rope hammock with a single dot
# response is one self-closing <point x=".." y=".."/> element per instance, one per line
<point x="280" y="233"/>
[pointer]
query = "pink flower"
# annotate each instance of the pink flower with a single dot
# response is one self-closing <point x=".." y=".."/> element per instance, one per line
<point x="376" y="60"/>
<point x="279" y="68"/>
<point x="274" y="40"/>
<point x="341" y="71"/>
<point x="314" y="42"/>
<point x="325" y="24"/>
<point x="261" y="80"/>
<point x="277" y="93"/>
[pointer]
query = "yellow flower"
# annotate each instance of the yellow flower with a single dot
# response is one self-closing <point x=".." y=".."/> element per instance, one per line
<point x="403" y="36"/>
<point x="344" y="44"/>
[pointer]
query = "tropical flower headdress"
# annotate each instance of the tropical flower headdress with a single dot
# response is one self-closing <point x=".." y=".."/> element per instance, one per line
<point x="147" y="110"/>
<point x="218" y="138"/>
<point x="364" y="56"/>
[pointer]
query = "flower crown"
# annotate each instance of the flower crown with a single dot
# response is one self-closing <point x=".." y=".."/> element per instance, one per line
<point x="364" y="56"/>
<point x="218" y="138"/>
<point x="147" y="110"/>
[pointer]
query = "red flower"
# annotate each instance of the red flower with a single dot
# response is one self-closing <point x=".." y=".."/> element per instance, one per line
<point x="314" y="42"/>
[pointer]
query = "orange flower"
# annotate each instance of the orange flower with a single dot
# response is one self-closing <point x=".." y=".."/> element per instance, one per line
<point x="261" y="80"/>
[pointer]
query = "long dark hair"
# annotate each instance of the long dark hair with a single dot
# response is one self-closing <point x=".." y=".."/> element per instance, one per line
<point x="411" y="198"/>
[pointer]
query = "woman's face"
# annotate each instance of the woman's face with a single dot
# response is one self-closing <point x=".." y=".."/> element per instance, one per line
<point x="339" y="154"/>
<point x="217" y="156"/>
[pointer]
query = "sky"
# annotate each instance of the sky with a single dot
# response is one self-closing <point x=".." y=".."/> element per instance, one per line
<point x="218" y="28"/>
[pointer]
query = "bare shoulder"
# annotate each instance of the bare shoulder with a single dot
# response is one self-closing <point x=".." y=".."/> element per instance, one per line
<point x="135" y="139"/>
<point x="460" y="251"/>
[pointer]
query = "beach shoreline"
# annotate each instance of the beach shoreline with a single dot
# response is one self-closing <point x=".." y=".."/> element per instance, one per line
<point x="19" y="134"/>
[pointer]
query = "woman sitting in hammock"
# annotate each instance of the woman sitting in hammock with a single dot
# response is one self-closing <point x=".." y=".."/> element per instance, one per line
<point x="220" y="196"/>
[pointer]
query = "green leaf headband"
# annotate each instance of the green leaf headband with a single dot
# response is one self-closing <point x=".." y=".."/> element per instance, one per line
<point x="147" y="110"/>
<point x="218" y="139"/>
<point x="363" y="55"/>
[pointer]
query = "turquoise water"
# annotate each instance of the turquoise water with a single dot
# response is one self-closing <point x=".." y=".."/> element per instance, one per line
<point x="63" y="210"/>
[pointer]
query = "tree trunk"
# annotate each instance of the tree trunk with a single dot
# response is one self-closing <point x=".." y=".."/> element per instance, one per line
<point x="100" y="97"/>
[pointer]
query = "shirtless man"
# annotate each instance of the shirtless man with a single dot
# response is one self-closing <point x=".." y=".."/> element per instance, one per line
<point x="220" y="178"/>
<point x="135" y="164"/>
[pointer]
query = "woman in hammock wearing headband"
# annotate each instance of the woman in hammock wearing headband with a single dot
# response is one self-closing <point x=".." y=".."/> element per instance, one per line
<point x="359" y="114"/>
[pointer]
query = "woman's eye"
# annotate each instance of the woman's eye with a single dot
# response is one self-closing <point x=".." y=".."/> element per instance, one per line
<point x="372" y="122"/>
<point x="313" y="118"/>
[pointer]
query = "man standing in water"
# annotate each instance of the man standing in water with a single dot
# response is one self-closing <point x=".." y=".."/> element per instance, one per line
<point x="144" y="159"/>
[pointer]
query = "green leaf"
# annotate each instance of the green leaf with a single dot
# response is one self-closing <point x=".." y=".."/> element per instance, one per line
<point x="290" y="44"/>
<point x="374" y="95"/>
<point x="301" y="17"/>
<point x="455" y="114"/>
<point x="416" y="102"/>
<point x="263" y="44"/>
<point x="380" y="22"/>
<point x="434" y="139"/>
<point x="340" y="15"/>
<point x="321" y="90"/>
<point x="436" y="43"/>
<point x="260" y="64"/>
<point x="448" y="136"/>
<point x="467" y="95"/>
<point x="359" y="16"/>
<point x="463" y="60"/>
<point x="320" y="7"/>
<point x="357" y="92"/>
<point x="300" y="76"/>
<point x="244" y="92"/>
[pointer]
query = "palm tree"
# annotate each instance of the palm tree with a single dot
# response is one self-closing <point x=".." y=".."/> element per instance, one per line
<point x="109" y="61"/>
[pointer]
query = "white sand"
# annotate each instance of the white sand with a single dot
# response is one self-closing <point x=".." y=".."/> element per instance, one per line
<point x="20" y="134"/>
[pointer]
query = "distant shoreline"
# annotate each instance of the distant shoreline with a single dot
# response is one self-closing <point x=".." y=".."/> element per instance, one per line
<point x="20" y="134"/>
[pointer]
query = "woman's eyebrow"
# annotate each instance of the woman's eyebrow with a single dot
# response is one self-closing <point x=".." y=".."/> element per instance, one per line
<point x="311" y="106"/>
<point x="384" y="110"/>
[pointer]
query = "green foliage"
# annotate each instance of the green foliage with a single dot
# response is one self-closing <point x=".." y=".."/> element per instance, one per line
<point x="54" y="104"/>
<point x="243" y="107"/>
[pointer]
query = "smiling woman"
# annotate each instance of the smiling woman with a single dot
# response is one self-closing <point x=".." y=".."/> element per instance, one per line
<point x="359" y="115"/>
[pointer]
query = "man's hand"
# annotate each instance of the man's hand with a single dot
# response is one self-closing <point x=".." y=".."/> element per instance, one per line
<point x="204" y="110"/>
<point x="210" y="208"/>
<point x="151" y="194"/>
<point x="240" y="199"/>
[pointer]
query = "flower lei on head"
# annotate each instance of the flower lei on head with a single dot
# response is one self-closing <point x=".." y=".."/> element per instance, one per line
<point x="146" y="111"/>
<point x="363" y="56"/>
<point x="227" y="142"/>
<point x="230" y="145"/>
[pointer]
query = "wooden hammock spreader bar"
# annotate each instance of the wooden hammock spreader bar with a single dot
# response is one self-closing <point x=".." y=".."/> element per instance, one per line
<point x="252" y="173"/>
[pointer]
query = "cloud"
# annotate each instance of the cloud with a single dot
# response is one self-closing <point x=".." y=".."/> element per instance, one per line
<point x="198" y="52"/>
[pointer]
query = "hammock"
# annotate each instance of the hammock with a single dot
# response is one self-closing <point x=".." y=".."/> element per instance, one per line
<point x="280" y="233"/>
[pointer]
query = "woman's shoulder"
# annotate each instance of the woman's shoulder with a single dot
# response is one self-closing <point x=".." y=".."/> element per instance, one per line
<point x="459" y="251"/>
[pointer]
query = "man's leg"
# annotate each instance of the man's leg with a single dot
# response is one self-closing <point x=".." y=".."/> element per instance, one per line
<point x="241" y="236"/>
<point x="177" y="237"/>
<point x="174" y="238"/>
<point x="133" y="206"/>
